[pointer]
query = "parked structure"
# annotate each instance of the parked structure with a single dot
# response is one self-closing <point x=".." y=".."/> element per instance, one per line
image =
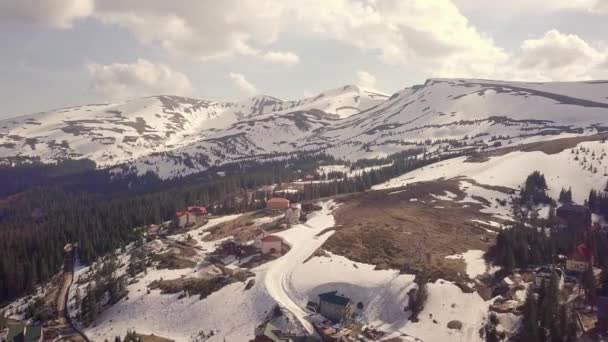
<point x="277" y="203"/>
<point x="192" y="216"/>
<point x="334" y="307"/>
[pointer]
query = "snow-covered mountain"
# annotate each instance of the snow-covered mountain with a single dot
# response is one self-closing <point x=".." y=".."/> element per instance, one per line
<point x="174" y="136"/>
<point x="114" y="133"/>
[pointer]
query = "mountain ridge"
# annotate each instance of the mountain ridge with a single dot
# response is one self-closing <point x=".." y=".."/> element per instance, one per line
<point x="156" y="134"/>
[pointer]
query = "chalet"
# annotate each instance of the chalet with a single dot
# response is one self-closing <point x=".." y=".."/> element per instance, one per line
<point x="576" y="216"/>
<point x="192" y="216"/>
<point x="543" y="274"/>
<point x="277" y="203"/>
<point x="21" y="332"/>
<point x="580" y="259"/>
<point x="272" y="245"/>
<point x="334" y="307"/>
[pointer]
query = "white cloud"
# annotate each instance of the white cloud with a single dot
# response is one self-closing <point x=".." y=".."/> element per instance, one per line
<point x="141" y="78"/>
<point x="202" y="29"/>
<point x="558" y="57"/>
<point x="284" y="58"/>
<point x="600" y="7"/>
<point x="365" y="79"/>
<point x="431" y="35"/>
<point x="54" y="13"/>
<point x="240" y="82"/>
<point x="533" y="7"/>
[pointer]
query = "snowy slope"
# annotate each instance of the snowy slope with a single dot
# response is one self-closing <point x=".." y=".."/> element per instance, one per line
<point x="441" y="115"/>
<point x="173" y="136"/>
<point x="510" y="170"/>
<point x="233" y="313"/>
<point x="114" y="133"/>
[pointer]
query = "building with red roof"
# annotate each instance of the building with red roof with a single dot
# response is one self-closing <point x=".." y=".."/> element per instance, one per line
<point x="272" y="245"/>
<point x="277" y="203"/>
<point x="191" y="216"/>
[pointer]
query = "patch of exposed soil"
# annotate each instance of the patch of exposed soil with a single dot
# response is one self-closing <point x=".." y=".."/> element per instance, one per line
<point x="403" y="228"/>
<point x="243" y="228"/>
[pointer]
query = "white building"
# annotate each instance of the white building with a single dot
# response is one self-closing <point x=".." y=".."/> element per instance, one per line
<point x="292" y="214"/>
<point x="272" y="245"/>
<point x="257" y="240"/>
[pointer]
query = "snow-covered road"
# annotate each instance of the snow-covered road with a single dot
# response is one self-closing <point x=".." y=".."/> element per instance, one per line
<point x="304" y="242"/>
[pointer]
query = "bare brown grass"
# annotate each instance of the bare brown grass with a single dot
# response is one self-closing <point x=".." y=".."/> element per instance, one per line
<point x="392" y="231"/>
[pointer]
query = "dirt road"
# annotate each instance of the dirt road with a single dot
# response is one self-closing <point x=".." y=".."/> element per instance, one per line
<point x="66" y="329"/>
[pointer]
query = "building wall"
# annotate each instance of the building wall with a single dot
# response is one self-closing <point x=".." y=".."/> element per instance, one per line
<point x="267" y="246"/>
<point x="577" y="266"/>
<point x="277" y="205"/>
<point x="183" y="220"/>
<point x="257" y="241"/>
<point x="198" y="219"/>
<point x="292" y="216"/>
<point x="331" y="311"/>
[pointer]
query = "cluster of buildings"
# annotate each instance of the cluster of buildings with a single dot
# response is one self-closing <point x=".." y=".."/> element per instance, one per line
<point x="292" y="210"/>
<point x="335" y="318"/>
<point x="191" y="216"/>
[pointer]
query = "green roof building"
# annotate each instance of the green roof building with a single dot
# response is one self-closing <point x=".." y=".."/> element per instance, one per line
<point x="21" y="332"/>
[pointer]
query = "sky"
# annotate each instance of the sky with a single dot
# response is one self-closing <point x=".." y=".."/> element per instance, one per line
<point x="59" y="53"/>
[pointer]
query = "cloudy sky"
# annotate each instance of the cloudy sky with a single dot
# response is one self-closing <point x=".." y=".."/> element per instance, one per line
<point x="58" y="53"/>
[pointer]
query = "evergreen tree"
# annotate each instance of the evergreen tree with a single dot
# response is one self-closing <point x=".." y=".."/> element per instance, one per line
<point x="593" y="201"/>
<point x="549" y="303"/>
<point x="530" y="330"/>
<point x="589" y="285"/>
<point x="565" y="196"/>
<point x="3" y="322"/>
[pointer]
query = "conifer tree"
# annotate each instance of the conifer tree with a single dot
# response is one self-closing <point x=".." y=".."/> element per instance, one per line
<point x="550" y="302"/>
<point x="530" y="328"/>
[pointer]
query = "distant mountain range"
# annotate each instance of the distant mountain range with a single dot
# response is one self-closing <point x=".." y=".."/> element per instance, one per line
<point x="176" y="136"/>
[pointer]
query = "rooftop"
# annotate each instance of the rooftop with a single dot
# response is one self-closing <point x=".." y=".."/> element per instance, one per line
<point x="333" y="298"/>
<point x="271" y="238"/>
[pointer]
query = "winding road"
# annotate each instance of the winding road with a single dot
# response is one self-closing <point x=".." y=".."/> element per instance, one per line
<point x="68" y="331"/>
<point x="304" y="242"/>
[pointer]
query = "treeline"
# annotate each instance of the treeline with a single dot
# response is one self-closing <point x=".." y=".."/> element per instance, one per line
<point x="82" y="176"/>
<point x="523" y="247"/>
<point x="365" y="162"/>
<point x="37" y="223"/>
<point x="366" y="179"/>
<point x="598" y="202"/>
